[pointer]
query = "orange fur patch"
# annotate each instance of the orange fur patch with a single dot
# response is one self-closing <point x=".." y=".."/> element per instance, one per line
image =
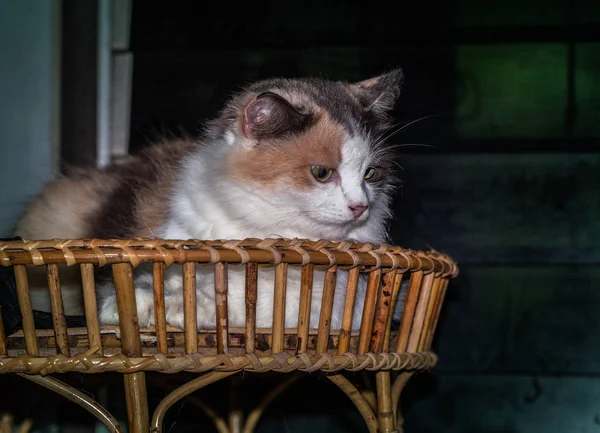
<point x="288" y="161"/>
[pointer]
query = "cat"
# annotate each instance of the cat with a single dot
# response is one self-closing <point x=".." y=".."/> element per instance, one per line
<point x="293" y="158"/>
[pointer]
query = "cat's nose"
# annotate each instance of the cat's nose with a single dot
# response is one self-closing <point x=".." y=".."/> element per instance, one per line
<point x="358" y="209"/>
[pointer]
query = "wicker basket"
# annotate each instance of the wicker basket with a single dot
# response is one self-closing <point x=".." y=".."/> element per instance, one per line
<point x="391" y="355"/>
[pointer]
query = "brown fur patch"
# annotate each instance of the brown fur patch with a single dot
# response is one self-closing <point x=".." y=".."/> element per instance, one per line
<point x="288" y="161"/>
<point x="63" y="208"/>
<point x="128" y="199"/>
<point x="152" y="202"/>
<point x="138" y="206"/>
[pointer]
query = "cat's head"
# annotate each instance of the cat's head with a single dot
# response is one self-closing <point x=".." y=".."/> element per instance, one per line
<point x="315" y="149"/>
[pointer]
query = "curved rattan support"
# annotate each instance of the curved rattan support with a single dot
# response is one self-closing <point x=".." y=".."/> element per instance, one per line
<point x="397" y="388"/>
<point x="181" y="392"/>
<point x="7" y="424"/>
<point x="25" y="426"/>
<point x="368" y="390"/>
<point x="257" y="412"/>
<point x="217" y="420"/>
<point x="359" y="402"/>
<point x="76" y="396"/>
<point x="197" y="363"/>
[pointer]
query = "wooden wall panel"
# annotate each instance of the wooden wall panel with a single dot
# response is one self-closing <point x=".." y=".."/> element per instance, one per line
<point x="521" y="320"/>
<point x="504" y="208"/>
<point x="505" y="404"/>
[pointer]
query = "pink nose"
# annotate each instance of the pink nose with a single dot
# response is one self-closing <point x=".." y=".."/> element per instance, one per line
<point x="358" y="209"/>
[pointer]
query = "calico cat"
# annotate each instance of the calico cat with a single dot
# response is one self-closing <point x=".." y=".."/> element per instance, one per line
<point x="293" y="158"/>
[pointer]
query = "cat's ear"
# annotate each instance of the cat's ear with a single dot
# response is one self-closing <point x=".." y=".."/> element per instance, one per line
<point x="270" y="116"/>
<point x="379" y="93"/>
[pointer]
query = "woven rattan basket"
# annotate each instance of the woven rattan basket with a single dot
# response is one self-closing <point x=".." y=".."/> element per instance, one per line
<point x="391" y="355"/>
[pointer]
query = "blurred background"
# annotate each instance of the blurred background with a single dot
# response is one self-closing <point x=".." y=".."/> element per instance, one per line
<point x="501" y="104"/>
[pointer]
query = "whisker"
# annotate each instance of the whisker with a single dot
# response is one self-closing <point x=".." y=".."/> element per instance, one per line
<point x="397" y="164"/>
<point x="416" y="121"/>
<point x="395" y="131"/>
<point x="414" y="144"/>
<point x="277" y="222"/>
<point x="150" y="230"/>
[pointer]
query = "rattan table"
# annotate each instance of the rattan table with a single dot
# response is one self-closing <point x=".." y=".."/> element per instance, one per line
<point x="391" y="354"/>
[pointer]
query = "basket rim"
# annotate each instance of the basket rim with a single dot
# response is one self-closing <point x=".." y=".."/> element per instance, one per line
<point x="268" y="251"/>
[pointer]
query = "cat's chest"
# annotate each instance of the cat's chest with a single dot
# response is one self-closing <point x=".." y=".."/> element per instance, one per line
<point x="204" y="218"/>
<point x="185" y="222"/>
<point x="218" y="226"/>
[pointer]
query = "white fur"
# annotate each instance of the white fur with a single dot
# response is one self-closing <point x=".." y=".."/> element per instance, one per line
<point x="206" y="204"/>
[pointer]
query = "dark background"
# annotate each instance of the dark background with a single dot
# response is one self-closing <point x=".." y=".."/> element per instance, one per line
<point x="507" y="182"/>
<point x="509" y="187"/>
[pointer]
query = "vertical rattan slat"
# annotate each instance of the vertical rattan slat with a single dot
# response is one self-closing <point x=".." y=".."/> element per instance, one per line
<point x="410" y="326"/>
<point x="382" y="313"/>
<point x="368" y="316"/>
<point x="385" y="413"/>
<point x="59" y="321"/>
<point x="128" y="318"/>
<point x="251" y="296"/>
<point x="131" y="345"/>
<point x="430" y="314"/>
<point x="326" y="310"/>
<point x="351" y="286"/>
<point x="306" y="288"/>
<point x="190" y="320"/>
<point x="236" y="405"/>
<point x="91" y="307"/>
<point x="394" y="300"/>
<point x="420" y="312"/>
<point x="279" y="307"/>
<point x="410" y="306"/>
<point x="158" y="282"/>
<point x="385" y="410"/>
<point x="26" y="311"/>
<point x="136" y="396"/>
<point x="221" y="307"/>
<point x="438" y="308"/>
<point x="3" y="351"/>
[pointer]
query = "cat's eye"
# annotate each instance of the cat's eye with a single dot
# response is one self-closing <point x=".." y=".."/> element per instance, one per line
<point x="322" y="174"/>
<point x="369" y="173"/>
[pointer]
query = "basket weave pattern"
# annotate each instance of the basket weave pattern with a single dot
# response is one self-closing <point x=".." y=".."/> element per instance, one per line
<point x="377" y="346"/>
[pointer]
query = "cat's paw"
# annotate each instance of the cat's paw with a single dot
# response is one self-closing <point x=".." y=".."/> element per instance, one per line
<point x="174" y="311"/>
<point x="108" y="313"/>
<point x="205" y="316"/>
<point x="145" y="308"/>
